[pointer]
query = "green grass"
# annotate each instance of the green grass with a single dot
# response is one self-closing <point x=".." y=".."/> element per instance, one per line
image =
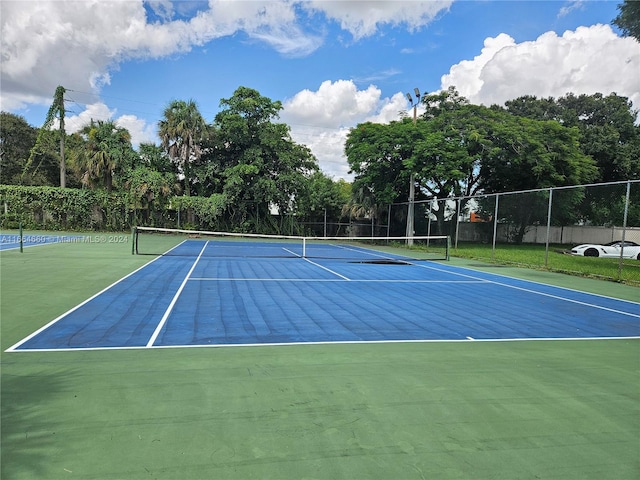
<point x="557" y="260"/>
<point x="509" y="410"/>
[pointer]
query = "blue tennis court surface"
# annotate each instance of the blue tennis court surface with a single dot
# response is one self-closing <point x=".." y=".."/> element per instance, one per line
<point x="200" y="300"/>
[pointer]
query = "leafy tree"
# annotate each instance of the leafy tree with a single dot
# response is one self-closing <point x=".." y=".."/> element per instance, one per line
<point x="607" y="127"/>
<point x="378" y="155"/>
<point x="458" y="149"/>
<point x="628" y="20"/>
<point x="608" y="133"/>
<point x="535" y="108"/>
<point x="448" y="155"/>
<point x="17" y="138"/>
<point x="106" y="154"/>
<point x="528" y="154"/>
<point x="323" y="196"/>
<point x="532" y="154"/>
<point x="156" y="158"/>
<point x="182" y="131"/>
<point x="253" y="161"/>
<point x="149" y="191"/>
<point x="441" y="149"/>
<point x="448" y="100"/>
<point x="150" y="183"/>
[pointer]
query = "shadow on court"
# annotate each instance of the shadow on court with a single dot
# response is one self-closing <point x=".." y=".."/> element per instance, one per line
<point x="30" y="433"/>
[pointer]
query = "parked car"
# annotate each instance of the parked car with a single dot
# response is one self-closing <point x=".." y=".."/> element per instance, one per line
<point x="608" y="250"/>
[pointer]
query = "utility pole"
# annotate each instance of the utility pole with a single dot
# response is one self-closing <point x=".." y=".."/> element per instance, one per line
<point x="57" y="107"/>
<point x="412" y="178"/>
<point x="63" y="165"/>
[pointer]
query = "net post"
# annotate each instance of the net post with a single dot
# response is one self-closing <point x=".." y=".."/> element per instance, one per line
<point x="134" y="238"/>
<point x="448" y="248"/>
<point x="304" y="247"/>
<point x="21" y="242"/>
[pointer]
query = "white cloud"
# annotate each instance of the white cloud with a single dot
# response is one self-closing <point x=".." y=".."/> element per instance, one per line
<point x="570" y="7"/>
<point x="77" y="44"/>
<point x="94" y="111"/>
<point x="363" y="17"/>
<point x="585" y="61"/>
<point x="322" y="119"/>
<point x="140" y="130"/>
<point x="334" y="104"/>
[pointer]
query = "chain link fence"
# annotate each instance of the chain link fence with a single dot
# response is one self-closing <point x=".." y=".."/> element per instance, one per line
<point x="536" y="228"/>
<point x="540" y="227"/>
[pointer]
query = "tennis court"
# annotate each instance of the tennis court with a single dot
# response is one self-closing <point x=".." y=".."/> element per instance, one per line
<point x="328" y="365"/>
<point x="228" y="292"/>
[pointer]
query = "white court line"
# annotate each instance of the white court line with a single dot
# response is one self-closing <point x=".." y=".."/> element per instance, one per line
<point x="328" y="342"/>
<point x="167" y="312"/>
<point x="57" y="319"/>
<point x="292" y="252"/>
<point x="24" y="246"/>
<point x="557" y="297"/>
<point x="327" y="269"/>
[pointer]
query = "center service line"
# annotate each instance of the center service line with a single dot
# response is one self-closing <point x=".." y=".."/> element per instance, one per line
<point x="153" y="338"/>
<point x="317" y="264"/>
<point x="327" y="269"/>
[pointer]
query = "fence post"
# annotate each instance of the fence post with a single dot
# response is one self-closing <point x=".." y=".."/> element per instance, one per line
<point x="457" y="221"/>
<point x="495" y="229"/>
<point x="325" y="223"/>
<point x="624" y="228"/>
<point x="429" y="220"/>
<point x="389" y="221"/>
<point x="546" y="248"/>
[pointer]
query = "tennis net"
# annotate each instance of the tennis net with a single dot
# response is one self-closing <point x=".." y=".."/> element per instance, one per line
<point x="165" y="241"/>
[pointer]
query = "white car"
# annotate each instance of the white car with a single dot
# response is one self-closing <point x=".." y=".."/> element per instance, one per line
<point x="609" y="250"/>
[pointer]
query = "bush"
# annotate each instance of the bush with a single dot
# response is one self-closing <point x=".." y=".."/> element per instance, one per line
<point x="55" y="208"/>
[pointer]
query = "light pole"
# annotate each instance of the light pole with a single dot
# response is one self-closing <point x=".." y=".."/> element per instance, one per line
<point x="412" y="177"/>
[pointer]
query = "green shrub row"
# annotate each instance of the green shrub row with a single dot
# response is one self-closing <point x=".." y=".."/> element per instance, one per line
<point x="54" y="208"/>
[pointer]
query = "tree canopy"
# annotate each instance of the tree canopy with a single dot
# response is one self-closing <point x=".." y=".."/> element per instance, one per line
<point x="252" y="161"/>
<point x="457" y="149"/>
<point x="243" y="166"/>
<point x="465" y="149"/>
<point x="628" y="20"/>
<point x="182" y="131"/>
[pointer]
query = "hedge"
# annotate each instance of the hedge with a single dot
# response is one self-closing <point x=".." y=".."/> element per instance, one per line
<point x="55" y="208"/>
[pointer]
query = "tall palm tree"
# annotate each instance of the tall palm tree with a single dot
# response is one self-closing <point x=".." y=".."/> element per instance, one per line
<point x="182" y="131"/>
<point x="107" y="150"/>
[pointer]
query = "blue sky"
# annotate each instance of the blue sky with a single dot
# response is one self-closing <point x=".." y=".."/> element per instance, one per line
<point x="332" y="63"/>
